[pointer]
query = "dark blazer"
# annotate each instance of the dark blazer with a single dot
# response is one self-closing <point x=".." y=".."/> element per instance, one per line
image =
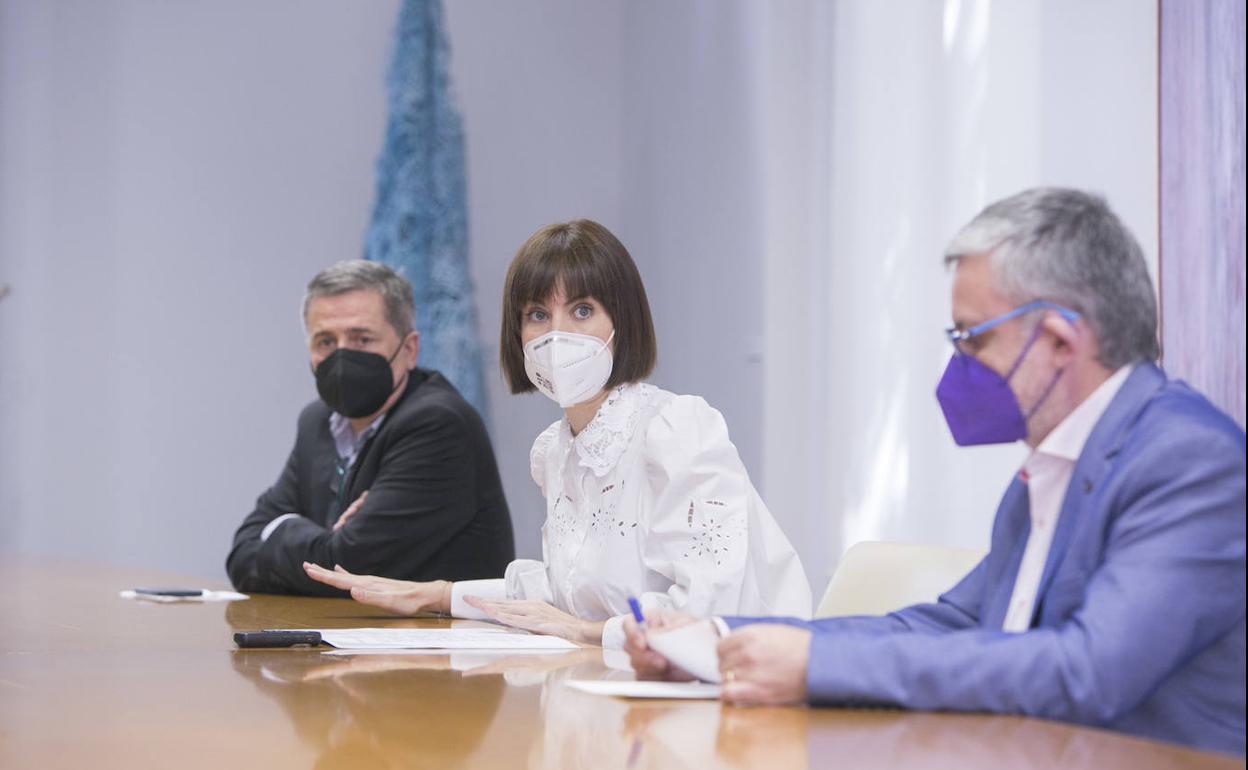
<point x="435" y="508"/>
<point x="1139" y="620"/>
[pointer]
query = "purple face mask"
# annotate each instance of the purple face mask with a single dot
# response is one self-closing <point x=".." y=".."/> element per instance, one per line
<point x="979" y="405"/>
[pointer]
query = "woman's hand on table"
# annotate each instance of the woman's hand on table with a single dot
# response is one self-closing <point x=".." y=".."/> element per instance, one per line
<point x="540" y="618"/>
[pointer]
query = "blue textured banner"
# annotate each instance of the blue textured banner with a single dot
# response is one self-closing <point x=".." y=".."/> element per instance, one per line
<point x="420" y="222"/>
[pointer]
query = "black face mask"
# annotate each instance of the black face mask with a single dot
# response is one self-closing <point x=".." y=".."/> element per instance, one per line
<point x="355" y="383"/>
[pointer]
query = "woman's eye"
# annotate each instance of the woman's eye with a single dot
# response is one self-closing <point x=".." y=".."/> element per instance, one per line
<point x="583" y="311"/>
<point x="536" y="315"/>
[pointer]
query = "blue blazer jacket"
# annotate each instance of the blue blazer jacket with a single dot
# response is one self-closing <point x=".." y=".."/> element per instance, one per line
<point x="1139" y="620"/>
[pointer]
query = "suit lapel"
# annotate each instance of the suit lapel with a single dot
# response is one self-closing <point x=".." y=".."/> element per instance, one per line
<point x="1014" y="513"/>
<point x="353" y="473"/>
<point x="1094" y="463"/>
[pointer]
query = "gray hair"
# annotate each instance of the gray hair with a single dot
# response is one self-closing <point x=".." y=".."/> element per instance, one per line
<point x="359" y="274"/>
<point x="1066" y="246"/>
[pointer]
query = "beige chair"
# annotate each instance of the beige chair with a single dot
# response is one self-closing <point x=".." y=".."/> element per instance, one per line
<point x="877" y="578"/>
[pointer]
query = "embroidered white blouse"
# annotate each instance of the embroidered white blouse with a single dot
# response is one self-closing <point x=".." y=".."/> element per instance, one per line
<point x="649" y="500"/>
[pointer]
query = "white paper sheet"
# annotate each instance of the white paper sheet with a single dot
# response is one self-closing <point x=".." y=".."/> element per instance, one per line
<point x="693" y="647"/>
<point x="630" y="689"/>
<point x="439" y="639"/>
<point x="206" y="596"/>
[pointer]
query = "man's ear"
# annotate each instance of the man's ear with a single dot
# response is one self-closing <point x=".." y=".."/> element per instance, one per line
<point x="1071" y="337"/>
<point x="411" y="348"/>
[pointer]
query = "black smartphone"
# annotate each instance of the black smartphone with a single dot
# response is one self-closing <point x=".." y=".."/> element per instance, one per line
<point x="276" y="638"/>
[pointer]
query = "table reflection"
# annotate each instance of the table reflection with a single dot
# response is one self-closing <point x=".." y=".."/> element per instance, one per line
<point x="393" y="710"/>
<point x="585" y="730"/>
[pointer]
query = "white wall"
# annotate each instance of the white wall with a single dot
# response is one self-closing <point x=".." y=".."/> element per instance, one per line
<point x="922" y="114"/>
<point x="692" y="200"/>
<point x="171" y="174"/>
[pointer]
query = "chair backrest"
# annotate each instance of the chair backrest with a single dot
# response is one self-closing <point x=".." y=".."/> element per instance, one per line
<point x="878" y="578"/>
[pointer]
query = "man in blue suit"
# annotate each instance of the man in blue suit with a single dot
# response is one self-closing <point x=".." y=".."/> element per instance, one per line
<point x="1113" y="593"/>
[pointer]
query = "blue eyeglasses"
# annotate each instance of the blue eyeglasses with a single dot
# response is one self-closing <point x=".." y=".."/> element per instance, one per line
<point x="960" y="336"/>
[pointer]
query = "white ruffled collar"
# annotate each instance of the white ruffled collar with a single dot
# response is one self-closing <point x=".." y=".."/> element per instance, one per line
<point x="603" y="441"/>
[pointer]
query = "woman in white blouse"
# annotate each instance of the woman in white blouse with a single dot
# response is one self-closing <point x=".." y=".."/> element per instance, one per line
<point x="645" y="493"/>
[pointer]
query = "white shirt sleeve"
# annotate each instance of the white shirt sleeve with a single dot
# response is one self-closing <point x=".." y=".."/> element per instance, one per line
<point x="272" y="526"/>
<point x="708" y="531"/>
<point x="495" y="588"/>
<point x="613" y="633"/>
<point x="525" y="579"/>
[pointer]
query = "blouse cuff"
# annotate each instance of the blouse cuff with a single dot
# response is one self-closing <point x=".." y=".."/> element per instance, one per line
<point x="526" y="579"/>
<point x="495" y="588"/>
<point x="613" y="633"/>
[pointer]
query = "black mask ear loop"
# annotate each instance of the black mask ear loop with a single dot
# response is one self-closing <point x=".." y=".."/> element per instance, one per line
<point x="406" y="372"/>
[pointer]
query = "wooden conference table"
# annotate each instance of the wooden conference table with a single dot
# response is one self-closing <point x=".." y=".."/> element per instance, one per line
<point x="88" y="679"/>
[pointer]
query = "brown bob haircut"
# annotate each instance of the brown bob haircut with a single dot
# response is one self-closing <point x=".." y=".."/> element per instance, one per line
<point x="583" y="259"/>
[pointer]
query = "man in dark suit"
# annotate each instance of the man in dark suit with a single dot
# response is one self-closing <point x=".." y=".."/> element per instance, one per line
<point x="392" y="472"/>
<point x="1113" y="593"/>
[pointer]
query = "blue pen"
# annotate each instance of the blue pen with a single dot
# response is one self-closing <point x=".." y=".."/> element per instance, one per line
<point x="636" y="608"/>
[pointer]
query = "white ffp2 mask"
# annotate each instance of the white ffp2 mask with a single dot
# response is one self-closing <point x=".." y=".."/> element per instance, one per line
<point x="568" y="368"/>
